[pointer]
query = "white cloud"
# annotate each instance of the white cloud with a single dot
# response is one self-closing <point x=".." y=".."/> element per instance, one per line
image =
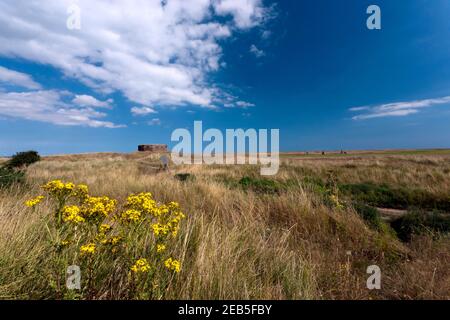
<point x="266" y="34"/>
<point x="230" y="101"/>
<point x="154" y="122"/>
<point x="397" y="109"/>
<point x="354" y="109"/>
<point x="142" y="111"/>
<point x="11" y="77"/>
<point x="89" y="101"/>
<point x="245" y="13"/>
<point x="152" y="53"/>
<point x="244" y="104"/>
<point x="49" y="106"/>
<point x="257" y="52"/>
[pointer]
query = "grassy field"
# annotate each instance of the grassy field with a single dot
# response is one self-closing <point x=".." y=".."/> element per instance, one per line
<point x="362" y="153"/>
<point x="309" y="232"/>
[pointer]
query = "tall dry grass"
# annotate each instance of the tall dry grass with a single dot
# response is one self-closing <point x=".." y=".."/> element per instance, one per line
<point x="238" y="244"/>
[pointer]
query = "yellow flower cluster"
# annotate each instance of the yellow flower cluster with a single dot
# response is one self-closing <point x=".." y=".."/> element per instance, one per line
<point x="112" y="241"/>
<point x="160" y="229"/>
<point x="142" y="202"/>
<point x="94" y="209"/>
<point x="58" y="188"/>
<point x="169" y="218"/>
<point x="89" y="248"/>
<point x="102" y="231"/>
<point x="118" y="231"/>
<point x="81" y="191"/>
<point x="142" y="206"/>
<point x="132" y="215"/>
<point x="173" y="265"/>
<point x="72" y="214"/>
<point x="98" y="208"/>
<point x="31" y="203"/>
<point x="65" y="243"/>
<point x="61" y="191"/>
<point x="104" y="228"/>
<point x="160" y="248"/>
<point x="141" y="265"/>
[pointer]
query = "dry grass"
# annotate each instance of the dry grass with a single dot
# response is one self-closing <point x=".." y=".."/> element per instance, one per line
<point x="244" y="245"/>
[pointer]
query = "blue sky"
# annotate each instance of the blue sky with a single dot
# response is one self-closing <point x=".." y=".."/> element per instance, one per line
<point x="135" y="72"/>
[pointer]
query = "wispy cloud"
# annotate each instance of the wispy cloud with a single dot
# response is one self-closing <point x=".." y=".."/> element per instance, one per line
<point x="266" y="34"/>
<point x="142" y="111"/>
<point x="396" y="109"/>
<point x="154" y="122"/>
<point x="11" y="77"/>
<point x="89" y="101"/>
<point x="257" y="52"/>
<point x="230" y="101"/>
<point x="50" y="106"/>
<point x="244" y="104"/>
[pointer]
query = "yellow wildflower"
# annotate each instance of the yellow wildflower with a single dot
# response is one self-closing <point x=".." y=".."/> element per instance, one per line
<point x="162" y="210"/>
<point x="81" y="191"/>
<point x="180" y="215"/>
<point x="58" y="188"/>
<point x="88" y="249"/>
<point x="141" y="265"/>
<point x="143" y="202"/>
<point x="160" y="229"/>
<point x="173" y="226"/>
<point x="69" y="186"/>
<point x="53" y="186"/>
<point x="174" y="205"/>
<point x="65" y="243"/>
<point x="104" y="228"/>
<point x="132" y="215"/>
<point x="115" y="240"/>
<point x="175" y="210"/>
<point x="173" y="265"/>
<point x="98" y="208"/>
<point x="72" y="214"/>
<point x="112" y="241"/>
<point x="160" y="248"/>
<point x="31" y="203"/>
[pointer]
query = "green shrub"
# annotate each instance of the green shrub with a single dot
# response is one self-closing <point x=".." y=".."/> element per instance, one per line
<point x="23" y="159"/>
<point x="396" y="198"/>
<point x="261" y="185"/>
<point x="184" y="177"/>
<point x="418" y="222"/>
<point x="370" y="215"/>
<point x="9" y="176"/>
<point x="315" y="184"/>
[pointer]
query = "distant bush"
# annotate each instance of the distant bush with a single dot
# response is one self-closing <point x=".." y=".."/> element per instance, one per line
<point x="11" y="171"/>
<point x="397" y="198"/>
<point x="23" y="159"/>
<point x="315" y="184"/>
<point x="260" y="185"/>
<point x="184" y="177"/>
<point x="8" y="176"/>
<point x="418" y="222"/>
